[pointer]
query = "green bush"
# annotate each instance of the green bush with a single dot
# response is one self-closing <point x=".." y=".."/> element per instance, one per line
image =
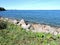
<point x="3" y="25"/>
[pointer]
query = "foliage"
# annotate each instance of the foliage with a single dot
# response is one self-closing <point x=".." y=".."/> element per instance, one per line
<point x="3" y="24"/>
<point x="2" y="9"/>
<point x="15" y="35"/>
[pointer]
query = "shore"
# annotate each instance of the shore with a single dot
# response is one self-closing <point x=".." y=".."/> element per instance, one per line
<point x="34" y="27"/>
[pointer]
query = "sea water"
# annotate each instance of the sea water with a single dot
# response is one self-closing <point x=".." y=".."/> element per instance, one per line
<point x="50" y="17"/>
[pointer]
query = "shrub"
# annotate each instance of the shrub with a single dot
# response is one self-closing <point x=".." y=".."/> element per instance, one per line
<point x="3" y="25"/>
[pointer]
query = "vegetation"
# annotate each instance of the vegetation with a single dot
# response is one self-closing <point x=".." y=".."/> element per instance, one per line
<point x="15" y="35"/>
<point x="2" y="9"/>
<point x="3" y="25"/>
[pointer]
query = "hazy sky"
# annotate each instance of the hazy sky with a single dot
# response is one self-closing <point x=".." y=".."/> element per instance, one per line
<point x="31" y="4"/>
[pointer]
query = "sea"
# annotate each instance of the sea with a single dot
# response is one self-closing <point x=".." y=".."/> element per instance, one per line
<point x="49" y="17"/>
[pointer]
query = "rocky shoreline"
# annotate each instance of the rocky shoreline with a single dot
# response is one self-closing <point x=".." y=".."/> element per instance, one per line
<point x="34" y="27"/>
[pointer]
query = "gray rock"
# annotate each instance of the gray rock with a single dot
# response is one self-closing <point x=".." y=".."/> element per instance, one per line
<point x="23" y="24"/>
<point x="55" y="33"/>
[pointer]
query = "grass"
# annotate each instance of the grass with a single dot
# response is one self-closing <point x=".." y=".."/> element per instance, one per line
<point x="15" y="35"/>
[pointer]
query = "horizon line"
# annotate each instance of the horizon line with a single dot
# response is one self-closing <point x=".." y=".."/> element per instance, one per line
<point x="32" y="9"/>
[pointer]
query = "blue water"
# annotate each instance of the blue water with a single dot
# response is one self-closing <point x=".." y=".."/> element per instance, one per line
<point x="51" y="17"/>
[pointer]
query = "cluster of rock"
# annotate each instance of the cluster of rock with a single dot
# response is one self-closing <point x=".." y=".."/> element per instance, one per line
<point x="34" y="27"/>
<point x="21" y="23"/>
<point x="46" y="29"/>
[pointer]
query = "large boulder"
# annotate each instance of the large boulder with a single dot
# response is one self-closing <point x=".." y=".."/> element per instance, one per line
<point x="23" y="24"/>
<point x="43" y="28"/>
<point x="14" y="21"/>
<point x="36" y="28"/>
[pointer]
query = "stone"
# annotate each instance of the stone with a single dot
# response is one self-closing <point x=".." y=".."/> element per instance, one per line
<point x="15" y="21"/>
<point x="21" y="22"/>
<point x="44" y="28"/>
<point x="55" y="33"/>
<point x="58" y="29"/>
<point x="10" y="20"/>
<point x="25" y="26"/>
<point x="6" y="19"/>
<point x="58" y="32"/>
<point x="1" y="18"/>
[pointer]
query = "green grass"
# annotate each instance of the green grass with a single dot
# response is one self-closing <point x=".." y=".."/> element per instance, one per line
<point x="15" y="35"/>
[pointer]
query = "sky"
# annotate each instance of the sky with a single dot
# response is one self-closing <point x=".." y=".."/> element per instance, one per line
<point x="30" y="4"/>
